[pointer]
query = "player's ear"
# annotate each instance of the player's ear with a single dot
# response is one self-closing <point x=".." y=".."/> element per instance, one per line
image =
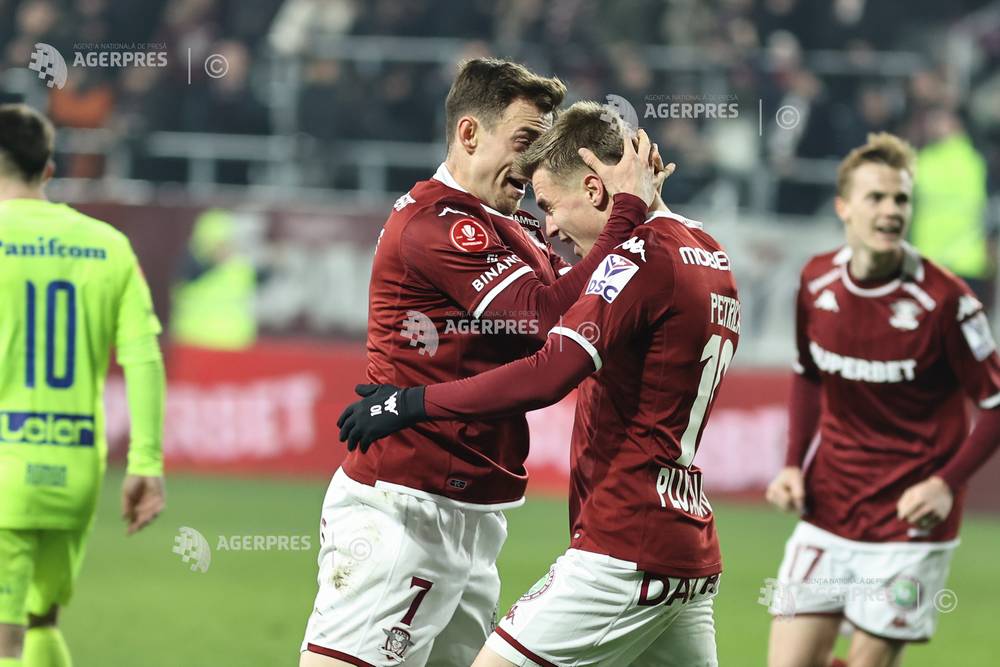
<point x="49" y="172"/>
<point x="841" y="207"/>
<point x="467" y="133"/>
<point x="597" y="194"/>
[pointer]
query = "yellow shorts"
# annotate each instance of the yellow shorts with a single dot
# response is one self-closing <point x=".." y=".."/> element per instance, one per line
<point x="38" y="568"/>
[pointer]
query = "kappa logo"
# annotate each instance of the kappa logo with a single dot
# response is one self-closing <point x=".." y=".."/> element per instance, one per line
<point x="636" y="246"/>
<point x="904" y="314"/>
<point x="468" y="235"/>
<point x="388" y="406"/>
<point x="404" y="201"/>
<point x="397" y="642"/>
<point x="610" y="278"/>
<point x="827" y="301"/>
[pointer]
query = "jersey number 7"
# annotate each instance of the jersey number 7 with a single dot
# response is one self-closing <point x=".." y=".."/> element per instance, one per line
<point x="53" y="377"/>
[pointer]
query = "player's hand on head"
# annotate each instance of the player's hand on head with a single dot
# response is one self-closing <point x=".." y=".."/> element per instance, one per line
<point x="661" y="171"/>
<point x="143" y="498"/>
<point x="926" y="503"/>
<point x="787" y="491"/>
<point x="634" y="173"/>
<point x="383" y="410"/>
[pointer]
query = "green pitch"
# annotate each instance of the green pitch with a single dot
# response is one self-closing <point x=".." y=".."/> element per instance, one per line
<point x="137" y="603"/>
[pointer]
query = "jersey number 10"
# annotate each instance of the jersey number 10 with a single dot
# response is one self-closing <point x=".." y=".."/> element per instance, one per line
<point x="52" y="322"/>
<point x="719" y="354"/>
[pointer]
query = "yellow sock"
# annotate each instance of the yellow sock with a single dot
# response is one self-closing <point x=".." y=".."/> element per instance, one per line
<point x="45" y="647"/>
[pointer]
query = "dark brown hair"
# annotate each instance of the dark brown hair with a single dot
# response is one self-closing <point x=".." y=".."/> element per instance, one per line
<point x="26" y="141"/>
<point x="485" y="87"/>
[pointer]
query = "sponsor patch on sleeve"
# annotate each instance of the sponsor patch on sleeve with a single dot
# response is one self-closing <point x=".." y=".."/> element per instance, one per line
<point x="469" y="235"/>
<point x="610" y="278"/>
<point x="979" y="337"/>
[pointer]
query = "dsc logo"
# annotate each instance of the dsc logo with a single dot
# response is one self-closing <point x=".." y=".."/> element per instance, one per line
<point x="611" y="277"/>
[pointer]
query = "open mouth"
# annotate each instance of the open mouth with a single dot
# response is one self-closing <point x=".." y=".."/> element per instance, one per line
<point x="517" y="184"/>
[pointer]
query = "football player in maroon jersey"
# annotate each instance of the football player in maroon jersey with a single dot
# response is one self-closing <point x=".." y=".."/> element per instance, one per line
<point x="649" y="342"/>
<point x="891" y="347"/>
<point x="462" y="281"/>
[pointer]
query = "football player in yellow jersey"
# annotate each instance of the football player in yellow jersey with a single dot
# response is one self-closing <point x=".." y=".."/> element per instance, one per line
<point x="70" y="291"/>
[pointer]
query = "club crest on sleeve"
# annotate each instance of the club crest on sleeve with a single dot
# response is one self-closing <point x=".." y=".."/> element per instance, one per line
<point x="469" y="235"/>
<point x="610" y="278"/>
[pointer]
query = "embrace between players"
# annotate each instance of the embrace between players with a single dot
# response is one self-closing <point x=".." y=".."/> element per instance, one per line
<point x="645" y="326"/>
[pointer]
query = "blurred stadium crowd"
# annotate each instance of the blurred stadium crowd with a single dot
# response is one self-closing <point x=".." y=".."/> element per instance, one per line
<point x="338" y="78"/>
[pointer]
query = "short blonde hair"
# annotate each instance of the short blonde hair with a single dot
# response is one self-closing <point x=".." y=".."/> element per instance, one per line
<point x="881" y="148"/>
<point x="583" y="125"/>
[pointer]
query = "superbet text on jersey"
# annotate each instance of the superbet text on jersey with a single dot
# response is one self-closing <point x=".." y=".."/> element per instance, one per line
<point x="897" y="361"/>
<point x="442" y="259"/>
<point x="661" y="319"/>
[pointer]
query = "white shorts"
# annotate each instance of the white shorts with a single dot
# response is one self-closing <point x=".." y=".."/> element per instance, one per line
<point x="887" y="589"/>
<point x="403" y="578"/>
<point x="596" y="610"/>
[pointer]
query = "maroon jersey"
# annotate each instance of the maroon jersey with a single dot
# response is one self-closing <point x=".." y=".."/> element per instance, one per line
<point x="895" y="361"/>
<point x="442" y="259"/>
<point x="661" y="319"/>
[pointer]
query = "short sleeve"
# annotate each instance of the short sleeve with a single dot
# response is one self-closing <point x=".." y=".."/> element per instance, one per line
<point x="971" y="350"/>
<point x="614" y="307"/>
<point x="461" y="254"/>
<point x="136" y="317"/>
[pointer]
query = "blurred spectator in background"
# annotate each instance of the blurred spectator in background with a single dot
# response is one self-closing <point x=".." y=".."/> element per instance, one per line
<point x="213" y="299"/>
<point x="949" y="221"/>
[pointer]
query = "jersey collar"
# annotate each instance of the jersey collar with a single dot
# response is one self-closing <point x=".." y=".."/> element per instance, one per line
<point x="443" y="174"/>
<point x="687" y="222"/>
<point x="913" y="269"/>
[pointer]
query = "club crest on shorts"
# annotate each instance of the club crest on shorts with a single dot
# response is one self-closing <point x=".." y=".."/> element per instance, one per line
<point x="540" y="586"/>
<point x="397" y="641"/>
<point x="904" y="593"/>
<point x="904" y="314"/>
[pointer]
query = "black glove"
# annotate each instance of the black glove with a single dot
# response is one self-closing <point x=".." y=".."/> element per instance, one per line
<point x="383" y="410"/>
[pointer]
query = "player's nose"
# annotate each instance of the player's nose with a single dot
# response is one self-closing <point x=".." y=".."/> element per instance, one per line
<point x="550" y="226"/>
